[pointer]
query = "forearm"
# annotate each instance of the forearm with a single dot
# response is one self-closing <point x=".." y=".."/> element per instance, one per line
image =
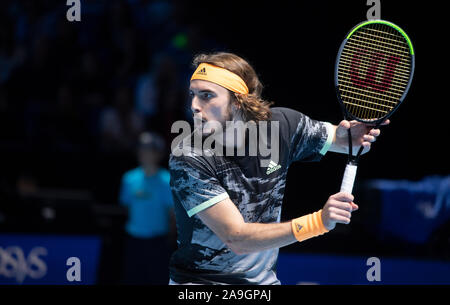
<point x="225" y="220"/>
<point x="256" y="237"/>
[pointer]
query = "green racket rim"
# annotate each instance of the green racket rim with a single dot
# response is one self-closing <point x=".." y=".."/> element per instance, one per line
<point x="386" y="23"/>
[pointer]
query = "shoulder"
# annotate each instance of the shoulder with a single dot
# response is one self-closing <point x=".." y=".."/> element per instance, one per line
<point x="192" y="163"/>
<point x="186" y="155"/>
<point x="284" y="113"/>
<point x="132" y="174"/>
<point x="187" y="145"/>
<point x="288" y="119"/>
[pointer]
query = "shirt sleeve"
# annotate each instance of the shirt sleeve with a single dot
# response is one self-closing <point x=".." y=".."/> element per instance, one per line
<point x="309" y="139"/>
<point x="194" y="184"/>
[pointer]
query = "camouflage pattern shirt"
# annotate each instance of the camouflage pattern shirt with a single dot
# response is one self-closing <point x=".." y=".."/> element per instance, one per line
<point x="199" y="181"/>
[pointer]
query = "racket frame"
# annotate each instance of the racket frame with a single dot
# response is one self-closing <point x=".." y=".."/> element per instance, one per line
<point x="352" y="163"/>
<point x="347" y="114"/>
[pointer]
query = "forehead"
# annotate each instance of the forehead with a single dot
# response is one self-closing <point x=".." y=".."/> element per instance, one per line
<point x="202" y="85"/>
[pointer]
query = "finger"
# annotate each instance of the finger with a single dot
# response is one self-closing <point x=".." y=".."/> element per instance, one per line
<point x="386" y="122"/>
<point x="345" y="124"/>
<point x="343" y="196"/>
<point x="369" y="125"/>
<point x="369" y="138"/>
<point x="355" y="207"/>
<point x="339" y="219"/>
<point x="366" y="146"/>
<point x="340" y="205"/>
<point x="341" y="212"/>
<point x="374" y="132"/>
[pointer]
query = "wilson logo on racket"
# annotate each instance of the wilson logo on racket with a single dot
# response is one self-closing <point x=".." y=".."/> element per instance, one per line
<point x="369" y="79"/>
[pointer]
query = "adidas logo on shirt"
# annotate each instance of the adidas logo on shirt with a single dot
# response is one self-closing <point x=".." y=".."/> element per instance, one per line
<point x="202" y="71"/>
<point x="272" y="167"/>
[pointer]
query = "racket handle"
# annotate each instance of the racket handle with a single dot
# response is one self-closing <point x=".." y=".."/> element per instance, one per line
<point x="349" y="178"/>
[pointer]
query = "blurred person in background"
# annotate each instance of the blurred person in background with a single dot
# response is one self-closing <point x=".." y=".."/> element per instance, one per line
<point x="146" y="192"/>
<point x="120" y="125"/>
<point x="160" y="97"/>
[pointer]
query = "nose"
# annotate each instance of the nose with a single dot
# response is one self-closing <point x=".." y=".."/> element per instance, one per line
<point x="195" y="106"/>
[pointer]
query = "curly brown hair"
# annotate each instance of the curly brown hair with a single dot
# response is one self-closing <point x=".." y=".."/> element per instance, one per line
<point x="252" y="105"/>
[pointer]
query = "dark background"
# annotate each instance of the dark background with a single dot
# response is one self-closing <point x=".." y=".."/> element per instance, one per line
<point x="65" y="74"/>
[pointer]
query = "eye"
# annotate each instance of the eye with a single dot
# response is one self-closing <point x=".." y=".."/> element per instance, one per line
<point x="207" y="96"/>
<point x="191" y="94"/>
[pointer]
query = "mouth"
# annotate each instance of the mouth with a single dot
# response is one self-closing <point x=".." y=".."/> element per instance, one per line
<point x="200" y="122"/>
<point x="199" y="119"/>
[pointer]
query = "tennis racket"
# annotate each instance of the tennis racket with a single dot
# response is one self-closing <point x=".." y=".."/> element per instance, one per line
<point x="373" y="73"/>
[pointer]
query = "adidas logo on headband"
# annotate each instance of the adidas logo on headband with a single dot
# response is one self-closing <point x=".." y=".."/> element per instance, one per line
<point x="221" y="77"/>
<point x="202" y="71"/>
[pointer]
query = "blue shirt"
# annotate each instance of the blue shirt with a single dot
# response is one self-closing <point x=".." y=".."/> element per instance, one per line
<point x="149" y="200"/>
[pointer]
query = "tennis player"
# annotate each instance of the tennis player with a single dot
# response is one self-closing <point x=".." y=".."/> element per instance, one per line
<point x="228" y="207"/>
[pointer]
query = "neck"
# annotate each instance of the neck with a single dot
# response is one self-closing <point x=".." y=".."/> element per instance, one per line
<point x="150" y="170"/>
<point x="234" y="135"/>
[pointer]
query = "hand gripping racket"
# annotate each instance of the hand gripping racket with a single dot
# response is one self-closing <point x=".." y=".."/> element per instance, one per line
<point x="373" y="73"/>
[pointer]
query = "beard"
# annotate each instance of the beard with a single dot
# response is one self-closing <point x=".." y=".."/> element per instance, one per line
<point x="228" y="133"/>
<point x="206" y="128"/>
<point x="224" y="132"/>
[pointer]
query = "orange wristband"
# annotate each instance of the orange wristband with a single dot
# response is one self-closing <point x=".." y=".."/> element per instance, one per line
<point x="308" y="226"/>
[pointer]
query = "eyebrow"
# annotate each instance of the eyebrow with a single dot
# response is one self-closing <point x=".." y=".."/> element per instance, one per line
<point x="203" y="91"/>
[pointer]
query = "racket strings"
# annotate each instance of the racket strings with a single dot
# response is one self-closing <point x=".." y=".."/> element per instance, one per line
<point x="375" y="95"/>
<point x="373" y="71"/>
<point x="395" y="87"/>
<point x="390" y="49"/>
<point x="377" y="111"/>
<point x="372" y="33"/>
<point x="364" y="63"/>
